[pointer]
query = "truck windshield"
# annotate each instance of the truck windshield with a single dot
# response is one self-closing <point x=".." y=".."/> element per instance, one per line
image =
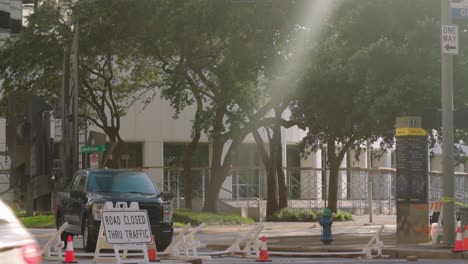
<point x="121" y="182"/>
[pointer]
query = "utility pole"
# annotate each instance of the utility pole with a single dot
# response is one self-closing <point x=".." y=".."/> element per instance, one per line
<point x="65" y="146"/>
<point x="70" y="126"/>
<point x="447" y="131"/>
<point x="369" y="179"/>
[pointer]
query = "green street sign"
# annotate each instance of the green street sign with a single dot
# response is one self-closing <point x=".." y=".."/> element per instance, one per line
<point x="93" y="148"/>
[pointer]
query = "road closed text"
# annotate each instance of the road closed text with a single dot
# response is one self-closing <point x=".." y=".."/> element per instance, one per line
<point x="130" y="234"/>
<point x="127" y="220"/>
<point x="123" y="227"/>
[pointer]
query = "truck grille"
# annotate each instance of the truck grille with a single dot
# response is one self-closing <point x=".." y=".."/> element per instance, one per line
<point x="155" y="213"/>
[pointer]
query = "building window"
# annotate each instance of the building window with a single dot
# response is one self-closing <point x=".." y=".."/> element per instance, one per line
<point x="135" y="154"/>
<point x="174" y="154"/>
<point x="132" y="159"/>
<point x="4" y="19"/>
<point x="293" y="162"/>
<point x="247" y="171"/>
<point x="15" y="26"/>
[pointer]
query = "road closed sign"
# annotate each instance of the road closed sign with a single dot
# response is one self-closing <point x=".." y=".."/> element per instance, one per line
<point x="449" y="39"/>
<point x="126" y="227"/>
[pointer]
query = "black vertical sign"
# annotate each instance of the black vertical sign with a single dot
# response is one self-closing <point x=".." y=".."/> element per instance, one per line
<point x="411" y="168"/>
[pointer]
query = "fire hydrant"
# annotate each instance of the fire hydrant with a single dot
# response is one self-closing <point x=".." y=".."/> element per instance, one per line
<point x="326" y="221"/>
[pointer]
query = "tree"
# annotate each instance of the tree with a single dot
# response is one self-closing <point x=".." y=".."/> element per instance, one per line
<point x="111" y="75"/>
<point x="277" y="197"/>
<point x="377" y="60"/>
<point x="215" y="51"/>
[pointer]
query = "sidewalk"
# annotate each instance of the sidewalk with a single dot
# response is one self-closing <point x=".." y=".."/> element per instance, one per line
<point x="348" y="236"/>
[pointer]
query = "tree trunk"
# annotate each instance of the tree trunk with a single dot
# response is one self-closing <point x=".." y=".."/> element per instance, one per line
<point x="120" y="148"/>
<point x="219" y="172"/>
<point x="334" y="171"/>
<point x="282" y="186"/>
<point x="272" y="190"/>
<point x="272" y="199"/>
<point x="216" y="179"/>
<point x="188" y="183"/>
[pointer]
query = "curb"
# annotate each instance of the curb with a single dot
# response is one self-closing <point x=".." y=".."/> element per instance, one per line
<point x="394" y="253"/>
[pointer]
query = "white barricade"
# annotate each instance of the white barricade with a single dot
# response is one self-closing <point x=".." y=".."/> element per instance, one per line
<point x="102" y="242"/>
<point x="52" y="250"/>
<point x="252" y="244"/>
<point x="185" y="246"/>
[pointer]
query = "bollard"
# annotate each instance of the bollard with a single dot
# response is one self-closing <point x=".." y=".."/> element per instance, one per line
<point x="326" y="221"/>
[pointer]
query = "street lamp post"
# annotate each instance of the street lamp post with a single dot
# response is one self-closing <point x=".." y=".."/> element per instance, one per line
<point x="448" y="130"/>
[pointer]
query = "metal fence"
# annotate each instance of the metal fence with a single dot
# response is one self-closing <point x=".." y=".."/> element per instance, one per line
<point x="307" y="188"/>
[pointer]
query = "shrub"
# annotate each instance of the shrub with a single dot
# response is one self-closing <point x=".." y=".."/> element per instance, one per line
<point x="43" y="221"/>
<point x="306" y="215"/>
<point x="294" y="215"/>
<point x="185" y="216"/>
<point x="342" y="216"/>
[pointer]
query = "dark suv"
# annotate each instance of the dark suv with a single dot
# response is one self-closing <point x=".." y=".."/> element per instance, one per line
<point x="81" y="207"/>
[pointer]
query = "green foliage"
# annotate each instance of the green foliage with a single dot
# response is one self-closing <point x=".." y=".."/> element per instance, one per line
<point x="295" y="215"/>
<point x="185" y="216"/>
<point x="42" y="221"/>
<point x="342" y="216"/>
<point x="214" y="54"/>
<point x="306" y="215"/>
<point x="375" y="61"/>
<point x="20" y="213"/>
<point x="181" y="218"/>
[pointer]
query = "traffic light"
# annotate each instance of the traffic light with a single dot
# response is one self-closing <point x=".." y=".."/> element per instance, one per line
<point x="28" y="141"/>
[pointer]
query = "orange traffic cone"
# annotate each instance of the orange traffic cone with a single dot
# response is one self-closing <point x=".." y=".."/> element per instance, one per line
<point x="69" y="255"/>
<point x="458" y="247"/>
<point x="465" y="239"/>
<point x="263" y="252"/>
<point x="152" y="253"/>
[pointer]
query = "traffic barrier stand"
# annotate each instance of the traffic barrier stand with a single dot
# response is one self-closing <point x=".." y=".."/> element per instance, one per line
<point x="185" y="246"/>
<point x="69" y="254"/>
<point x="52" y="250"/>
<point x="465" y="239"/>
<point x="118" y="257"/>
<point x="101" y="245"/>
<point x="437" y="228"/>
<point x="374" y="244"/>
<point x="263" y="257"/>
<point x="250" y="240"/>
<point x="152" y="253"/>
<point x="458" y="247"/>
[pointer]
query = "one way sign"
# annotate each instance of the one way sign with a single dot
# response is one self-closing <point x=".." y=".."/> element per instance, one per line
<point x="449" y="39"/>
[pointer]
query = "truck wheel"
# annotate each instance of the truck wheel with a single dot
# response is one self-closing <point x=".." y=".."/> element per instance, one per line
<point x="89" y="238"/>
<point x="64" y="236"/>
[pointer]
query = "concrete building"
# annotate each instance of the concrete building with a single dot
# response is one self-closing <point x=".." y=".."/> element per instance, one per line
<point x="11" y="14"/>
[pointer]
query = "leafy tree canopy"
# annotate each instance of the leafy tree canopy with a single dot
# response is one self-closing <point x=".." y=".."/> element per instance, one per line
<point x="377" y="60"/>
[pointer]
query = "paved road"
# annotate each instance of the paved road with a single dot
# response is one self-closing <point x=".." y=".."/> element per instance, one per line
<point x="278" y="260"/>
<point x="347" y="235"/>
<point x="213" y="236"/>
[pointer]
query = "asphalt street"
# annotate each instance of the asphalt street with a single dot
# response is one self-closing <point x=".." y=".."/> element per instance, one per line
<point x="297" y="237"/>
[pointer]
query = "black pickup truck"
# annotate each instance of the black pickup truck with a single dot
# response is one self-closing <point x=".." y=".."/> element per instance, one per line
<point x="81" y="207"/>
